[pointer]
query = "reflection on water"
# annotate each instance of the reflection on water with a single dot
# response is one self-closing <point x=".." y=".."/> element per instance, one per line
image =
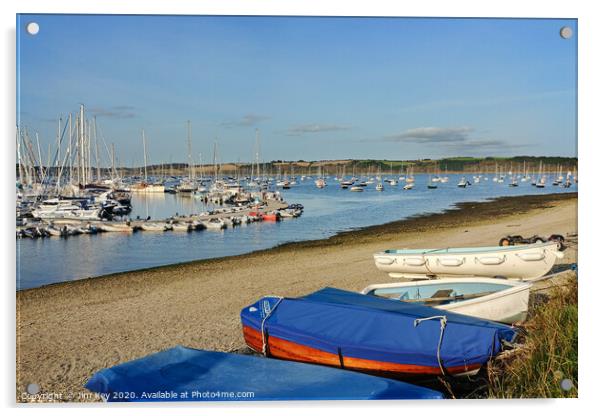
<point x="327" y="211"/>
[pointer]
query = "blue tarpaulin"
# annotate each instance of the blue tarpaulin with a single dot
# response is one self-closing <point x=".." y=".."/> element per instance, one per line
<point x="185" y="374"/>
<point x="368" y="327"/>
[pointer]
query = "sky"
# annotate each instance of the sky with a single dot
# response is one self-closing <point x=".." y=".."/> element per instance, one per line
<point x="312" y="87"/>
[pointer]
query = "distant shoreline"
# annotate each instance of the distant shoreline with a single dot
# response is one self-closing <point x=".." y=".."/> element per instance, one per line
<point x="461" y="165"/>
<point x="451" y="217"/>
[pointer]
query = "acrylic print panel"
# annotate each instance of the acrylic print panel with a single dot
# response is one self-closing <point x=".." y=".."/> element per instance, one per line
<point x="205" y="203"/>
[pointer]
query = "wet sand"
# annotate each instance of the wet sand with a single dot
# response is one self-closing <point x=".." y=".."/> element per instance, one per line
<point x="68" y="331"/>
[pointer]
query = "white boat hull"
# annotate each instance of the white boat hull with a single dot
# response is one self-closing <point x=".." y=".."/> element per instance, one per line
<point x="509" y="305"/>
<point x="116" y="228"/>
<point x="514" y="262"/>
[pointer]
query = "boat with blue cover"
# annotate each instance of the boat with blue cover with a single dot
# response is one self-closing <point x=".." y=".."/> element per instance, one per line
<point x="186" y="374"/>
<point x="371" y="334"/>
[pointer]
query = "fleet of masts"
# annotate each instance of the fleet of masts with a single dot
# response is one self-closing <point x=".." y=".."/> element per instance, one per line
<point x="81" y="180"/>
<point x="73" y="190"/>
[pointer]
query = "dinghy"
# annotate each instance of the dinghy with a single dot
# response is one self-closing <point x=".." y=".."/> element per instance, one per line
<point x="498" y="300"/>
<point x="186" y="374"/>
<point x="514" y="262"/>
<point x="181" y="226"/>
<point x="371" y="334"/>
<point x="154" y="226"/>
<point x="214" y="224"/>
<point x="116" y="227"/>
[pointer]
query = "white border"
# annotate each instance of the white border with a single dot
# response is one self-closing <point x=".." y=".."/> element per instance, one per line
<point x="590" y="71"/>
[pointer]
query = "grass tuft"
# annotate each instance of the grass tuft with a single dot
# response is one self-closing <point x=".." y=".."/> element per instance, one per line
<point x="549" y="353"/>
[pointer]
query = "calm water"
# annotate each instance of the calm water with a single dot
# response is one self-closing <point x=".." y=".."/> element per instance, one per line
<point x="327" y="211"/>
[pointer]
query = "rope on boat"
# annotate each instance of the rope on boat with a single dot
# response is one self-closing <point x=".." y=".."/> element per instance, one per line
<point x="443" y="322"/>
<point x="263" y="331"/>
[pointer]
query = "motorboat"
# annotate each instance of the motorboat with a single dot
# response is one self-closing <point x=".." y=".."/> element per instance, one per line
<point x="499" y="300"/>
<point x="514" y="262"/>
<point x="66" y="209"/>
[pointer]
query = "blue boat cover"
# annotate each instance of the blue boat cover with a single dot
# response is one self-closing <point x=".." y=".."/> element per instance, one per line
<point x="379" y="329"/>
<point x="185" y="374"/>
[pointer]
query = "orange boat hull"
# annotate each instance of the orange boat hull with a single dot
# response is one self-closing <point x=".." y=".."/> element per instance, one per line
<point x="270" y="217"/>
<point x="287" y="350"/>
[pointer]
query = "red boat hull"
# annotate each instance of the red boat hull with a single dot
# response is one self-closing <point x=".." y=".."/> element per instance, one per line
<point x="270" y="217"/>
<point x="280" y="348"/>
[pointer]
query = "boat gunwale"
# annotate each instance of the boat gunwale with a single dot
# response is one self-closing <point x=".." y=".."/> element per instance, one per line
<point x="463" y="250"/>
<point x="517" y="286"/>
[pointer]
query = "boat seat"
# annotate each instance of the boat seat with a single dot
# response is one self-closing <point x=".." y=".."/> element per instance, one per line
<point x="442" y="293"/>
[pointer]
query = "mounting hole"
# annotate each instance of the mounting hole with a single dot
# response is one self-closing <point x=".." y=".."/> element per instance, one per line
<point x="32" y="28"/>
<point x="566" y="32"/>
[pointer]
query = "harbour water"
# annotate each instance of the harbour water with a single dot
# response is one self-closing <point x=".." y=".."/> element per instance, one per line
<point x="327" y="211"/>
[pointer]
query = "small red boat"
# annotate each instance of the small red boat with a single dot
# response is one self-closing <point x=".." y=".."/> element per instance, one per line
<point x="270" y="217"/>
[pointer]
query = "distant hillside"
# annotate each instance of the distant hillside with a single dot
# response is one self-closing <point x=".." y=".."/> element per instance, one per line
<point x="349" y="166"/>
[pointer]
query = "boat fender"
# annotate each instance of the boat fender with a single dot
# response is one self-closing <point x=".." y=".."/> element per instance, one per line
<point x="490" y="261"/>
<point x="414" y="261"/>
<point x="451" y="261"/>
<point x="531" y="256"/>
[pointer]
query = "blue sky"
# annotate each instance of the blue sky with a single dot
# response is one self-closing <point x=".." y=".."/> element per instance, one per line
<point x="316" y="88"/>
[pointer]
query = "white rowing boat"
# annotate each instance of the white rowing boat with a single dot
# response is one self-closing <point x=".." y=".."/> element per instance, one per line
<point x="514" y="262"/>
<point x="498" y="300"/>
<point x="181" y="226"/>
<point x="155" y="226"/>
<point x="115" y="227"/>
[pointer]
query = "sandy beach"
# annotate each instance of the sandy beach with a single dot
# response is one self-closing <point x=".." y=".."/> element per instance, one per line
<point x="68" y="331"/>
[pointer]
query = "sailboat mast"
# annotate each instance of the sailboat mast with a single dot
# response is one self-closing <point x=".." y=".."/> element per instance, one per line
<point x="96" y="151"/>
<point x="113" y="161"/>
<point x="144" y="147"/>
<point x="190" y="163"/>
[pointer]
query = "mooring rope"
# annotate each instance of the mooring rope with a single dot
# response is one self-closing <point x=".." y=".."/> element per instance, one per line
<point x="443" y="321"/>
<point x="263" y="337"/>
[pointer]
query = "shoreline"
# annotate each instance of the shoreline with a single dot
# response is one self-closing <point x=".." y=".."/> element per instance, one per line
<point x="68" y="331"/>
<point x="500" y="206"/>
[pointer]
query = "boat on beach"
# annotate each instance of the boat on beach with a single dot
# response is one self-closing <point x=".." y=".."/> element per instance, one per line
<point x="497" y="300"/>
<point x="186" y="374"/>
<point x="513" y="262"/>
<point x="353" y="331"/>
